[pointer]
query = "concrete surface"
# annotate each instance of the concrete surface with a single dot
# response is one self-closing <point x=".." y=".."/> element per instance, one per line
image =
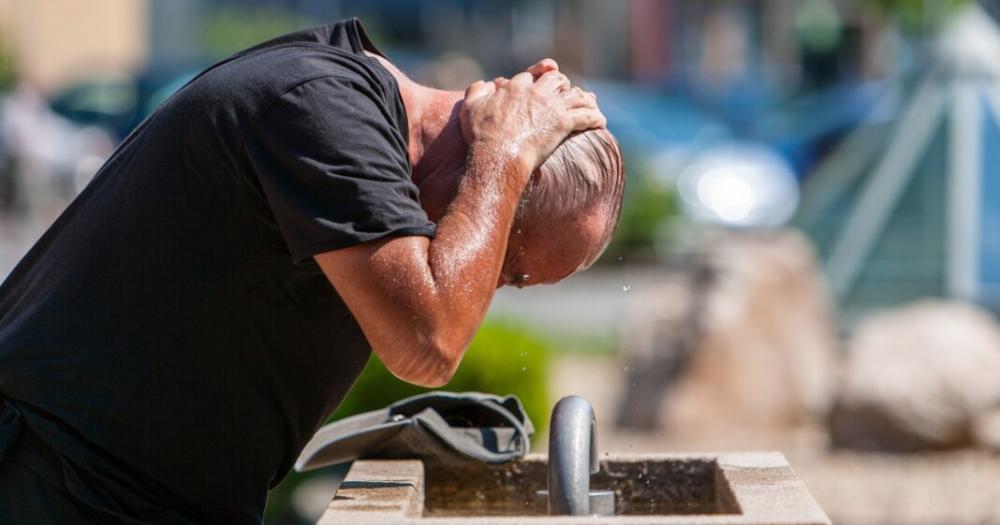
<point x="675" y="489"/>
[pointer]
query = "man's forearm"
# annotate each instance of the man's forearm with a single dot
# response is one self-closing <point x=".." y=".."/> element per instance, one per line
<point x="465" y="258"/>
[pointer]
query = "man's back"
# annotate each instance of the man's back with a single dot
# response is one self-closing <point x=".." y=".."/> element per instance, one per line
<point x="159" y="336"/>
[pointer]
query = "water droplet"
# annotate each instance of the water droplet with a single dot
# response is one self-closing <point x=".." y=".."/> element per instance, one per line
<point x="524" y="369"/>
<point x="518" y="231"/>
<point x="627" y="288"/>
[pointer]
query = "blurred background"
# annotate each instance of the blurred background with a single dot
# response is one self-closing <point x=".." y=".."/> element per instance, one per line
<point x="808" y="258"/>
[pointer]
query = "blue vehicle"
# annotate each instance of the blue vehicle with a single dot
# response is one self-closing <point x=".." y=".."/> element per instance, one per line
<point x="119" y="102"/>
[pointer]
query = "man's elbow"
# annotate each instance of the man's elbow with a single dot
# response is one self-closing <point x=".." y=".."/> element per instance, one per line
<point x="432" y="365"/>
<point x="430" y="380"/>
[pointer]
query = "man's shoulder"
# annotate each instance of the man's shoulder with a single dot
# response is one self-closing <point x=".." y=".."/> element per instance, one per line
<point x="287" y="65"/>
<point x="259" y="76"/>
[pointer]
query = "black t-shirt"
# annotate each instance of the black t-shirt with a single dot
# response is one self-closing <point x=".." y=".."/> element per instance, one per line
<point x="170" y="335"/>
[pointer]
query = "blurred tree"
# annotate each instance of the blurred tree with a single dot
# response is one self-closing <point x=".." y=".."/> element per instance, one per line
<point x="918" y="15"/>
<point x="8" y="68"/>
<point x="648" y="205"/>
<point x="230" y="29"/>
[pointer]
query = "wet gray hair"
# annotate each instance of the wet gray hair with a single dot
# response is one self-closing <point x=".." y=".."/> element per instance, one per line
<point x="585" y="174"/>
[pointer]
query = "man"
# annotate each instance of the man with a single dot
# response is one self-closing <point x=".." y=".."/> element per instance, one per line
<point x="171" y="343"/>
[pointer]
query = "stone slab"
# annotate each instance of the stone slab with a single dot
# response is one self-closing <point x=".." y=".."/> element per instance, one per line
<point x="699" y="489"/>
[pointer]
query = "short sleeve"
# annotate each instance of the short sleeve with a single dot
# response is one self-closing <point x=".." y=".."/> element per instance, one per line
<point x="334" y="168"/>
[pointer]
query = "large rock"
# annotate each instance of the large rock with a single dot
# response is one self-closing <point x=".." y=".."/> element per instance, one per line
<point x="743" y="339"/>
<point x="926" y="376"/>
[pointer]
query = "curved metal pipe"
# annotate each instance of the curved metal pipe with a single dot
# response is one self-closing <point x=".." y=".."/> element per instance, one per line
<point x="572" y="456"/>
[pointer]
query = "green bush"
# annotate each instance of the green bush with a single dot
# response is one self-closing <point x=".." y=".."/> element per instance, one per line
<point x="502" y="359"/>
<point x="648" y="205"/>
<point x="226" y="30"/>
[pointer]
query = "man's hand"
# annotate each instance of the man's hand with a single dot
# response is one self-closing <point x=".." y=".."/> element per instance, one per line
<point x="527" y="118"/>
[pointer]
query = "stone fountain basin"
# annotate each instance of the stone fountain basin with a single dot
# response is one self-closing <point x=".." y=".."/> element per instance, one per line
<point x="676" y="489"/>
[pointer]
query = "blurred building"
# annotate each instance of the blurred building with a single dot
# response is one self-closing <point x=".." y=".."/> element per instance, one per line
<point x="53" y="42"/>
<point x="649" y="40"/>
<point x="909" y="206"/>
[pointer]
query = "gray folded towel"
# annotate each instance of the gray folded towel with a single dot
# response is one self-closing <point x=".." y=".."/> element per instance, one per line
<point x="441" y="427"/>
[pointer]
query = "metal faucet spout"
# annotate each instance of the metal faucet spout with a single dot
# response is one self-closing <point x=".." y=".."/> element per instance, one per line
<point x="572" y="456"/>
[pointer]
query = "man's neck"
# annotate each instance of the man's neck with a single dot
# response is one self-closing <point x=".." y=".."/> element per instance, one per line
<point x="436" y="142"/>
<point x="428" y="110"/>
<point x="436" y="147"/>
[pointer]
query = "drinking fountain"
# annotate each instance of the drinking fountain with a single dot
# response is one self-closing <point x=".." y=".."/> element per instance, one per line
<point x="572" y="460"/>
<point x="754" y="488"/>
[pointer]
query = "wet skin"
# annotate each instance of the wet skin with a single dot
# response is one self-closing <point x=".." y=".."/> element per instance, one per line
<point x="419" y="301"/>
<point x="545" y="253"/>
<point x="536" y="254"/>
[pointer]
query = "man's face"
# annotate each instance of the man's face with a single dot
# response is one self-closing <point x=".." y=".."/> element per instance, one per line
<point x="546" y="253"/>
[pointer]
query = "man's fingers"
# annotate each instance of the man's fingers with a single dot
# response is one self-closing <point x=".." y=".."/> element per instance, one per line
<point x="578" y="98"/>
<point x="478" y="89"/>
<point x="522" y="80"/>
<point x="500" y="82"/>
<point x="587" y="118"/>
<point x="553" y="81"/>
<point x="474" y="89"/>
<point x="543" y="66"/>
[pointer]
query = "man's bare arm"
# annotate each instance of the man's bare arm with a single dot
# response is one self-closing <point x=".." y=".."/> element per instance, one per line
<point x="420" y="301"/>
